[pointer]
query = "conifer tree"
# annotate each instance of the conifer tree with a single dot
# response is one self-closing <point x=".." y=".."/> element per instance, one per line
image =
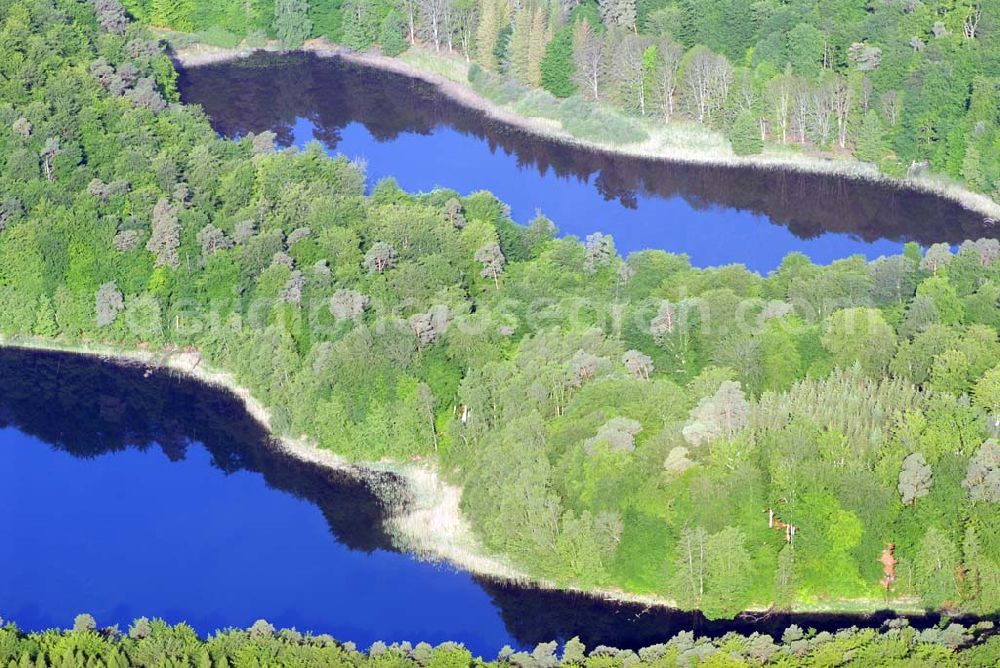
<point x="538" y="40"/>
<point x="557" y="66"/>
<point x="291" y="22"/>
<point x="492" y="19"/>
<point x="165" y="238"/>
<point x="935" y="564"/>
<point x="520" y="46"/>
<point x="744" y="135"/>
<point x="45" y="318"/>
<point x="391" y="38"/>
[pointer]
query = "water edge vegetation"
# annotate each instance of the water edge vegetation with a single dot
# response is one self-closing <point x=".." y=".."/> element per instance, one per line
<point x="723" y="438"/>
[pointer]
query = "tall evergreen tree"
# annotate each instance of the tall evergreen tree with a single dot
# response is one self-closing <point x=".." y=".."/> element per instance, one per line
<point x="557" y="66"/>
<point x="744" y="134"/>
<point x="493" y="18"/>
<point x="539" y="39"/>
<point x="291" y="22"/>
<point x="391" y="38"/>
<point x="520" y="46"/>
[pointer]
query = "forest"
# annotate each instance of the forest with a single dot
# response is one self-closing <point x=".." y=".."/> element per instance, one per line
<point x="155" y="643"/>
<point x="907" y="85"/>
<point x="816" y="436"/>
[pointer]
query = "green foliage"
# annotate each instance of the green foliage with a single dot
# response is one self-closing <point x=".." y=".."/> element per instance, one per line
<point x="745" y="135"/>
<point x="860" y="336"/>
<point x="558" y="68"/>
<point x="291" y="22"/>
<point x="391" y="38"/>
<point x="892" y="87"/>
<point x="216" y="36"/>
<point x="155" y="643"/>
<point x="328" y="19"/>
<point x="590" y="122"/>
<point x="604" y="415"/>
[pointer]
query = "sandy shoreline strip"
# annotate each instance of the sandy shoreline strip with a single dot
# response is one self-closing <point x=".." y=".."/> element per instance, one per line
<point x="431" y="526"/>
<point x="547" y="129"/>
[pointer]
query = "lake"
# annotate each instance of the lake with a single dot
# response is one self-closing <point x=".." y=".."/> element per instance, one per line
<point x="125" y="493"/>
<point x="406" y="129"/>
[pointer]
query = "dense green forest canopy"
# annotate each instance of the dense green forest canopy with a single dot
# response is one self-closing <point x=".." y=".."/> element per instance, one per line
<point x="713" y="436"/>
<point x="898" y="83"/>
<point x="154" y="643"/>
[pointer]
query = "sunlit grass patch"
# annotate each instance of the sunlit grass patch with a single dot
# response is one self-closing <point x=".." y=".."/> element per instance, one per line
<point x="450" y="67"/>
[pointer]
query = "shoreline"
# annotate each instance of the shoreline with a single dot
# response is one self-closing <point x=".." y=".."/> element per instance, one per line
<point x="548" y="130"/>
<point x="431" y="526"/>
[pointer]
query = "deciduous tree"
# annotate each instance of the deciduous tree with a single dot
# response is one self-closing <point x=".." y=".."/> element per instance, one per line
<point x="110" y="303"/>
<point x="982" y="477"/>
<point x="721" y="415"/>
<point x="165" y="240"/>
<point x="915" y="479"/>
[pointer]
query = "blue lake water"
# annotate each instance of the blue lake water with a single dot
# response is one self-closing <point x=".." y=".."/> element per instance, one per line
<point x="124" y="494"/>
<point x="133" y="533"/>
<point x="712" y="236"/>
<point x="406" y="130"/>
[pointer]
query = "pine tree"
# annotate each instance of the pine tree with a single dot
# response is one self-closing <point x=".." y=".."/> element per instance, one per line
<point x="357" y="24"/>
<point x="538" y="39"/>
<point x="935" y="569"/>
<point x="493" y="261"/>
<point x="784" y="581"/>
<point x="981" y="581"/>
<point x="520" y="46"/>
<point x="557" y="66"/>
<point x="327" y="19"/>
<point x="982" y="476"/>
<point x="728" y="574"/>
<point x="291" y="22"/>
<point x="165" y="238"/>
<point x="490" y="23"/>
<point x="688" y="585"/>
<point x="391" y="38"/>
<point x="915" y="479"/>
<point x="744" y="134"/>
<point x="45" y="318"/>
<point x="871" y="145"/>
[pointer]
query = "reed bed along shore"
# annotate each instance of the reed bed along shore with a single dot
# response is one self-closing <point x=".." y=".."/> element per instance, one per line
<point x="664" y="143"/>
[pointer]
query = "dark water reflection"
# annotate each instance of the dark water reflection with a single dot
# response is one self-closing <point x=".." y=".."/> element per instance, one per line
<point x="124" y="494"/>
<point x="406" y="129"/>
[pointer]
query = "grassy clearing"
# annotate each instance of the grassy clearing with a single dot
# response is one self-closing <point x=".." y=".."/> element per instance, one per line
<point x="452" y="68"/>
<point x="680" y="135"/>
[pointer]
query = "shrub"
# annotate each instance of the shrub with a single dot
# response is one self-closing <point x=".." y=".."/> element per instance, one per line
<point x="495" y="87"/>
<point x="216" y="36"/>
<point x="538" y="103"/>
<point x="586" y="121"/>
